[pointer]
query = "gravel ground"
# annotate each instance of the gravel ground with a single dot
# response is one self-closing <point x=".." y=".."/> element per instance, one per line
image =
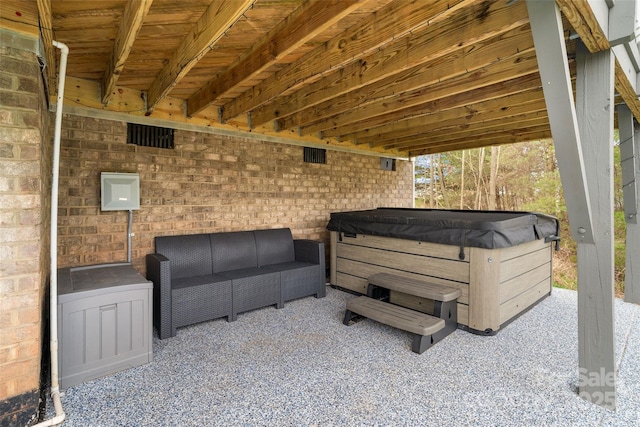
<point x="300" y="366"/>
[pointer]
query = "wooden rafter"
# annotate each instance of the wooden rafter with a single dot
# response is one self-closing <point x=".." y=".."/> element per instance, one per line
<point x="581" y="18"/>
<point x="46" y="30"/>
<point x="423" y="102"/>
<point x="504" y="78"/>
<point x="496" y="132"/>
<point x="132" y="19"/>
<point x="218" y="17"/>
<point x="425" y="45"/>
<point x="367" y="74"/>
<point x="467" y="145"/>
<point x="473" y="60"/>
<point x="396" y="20"/>
<point x="302" y="25"/>
<point x="491" y="130"/>
<point x="507" y="106"/>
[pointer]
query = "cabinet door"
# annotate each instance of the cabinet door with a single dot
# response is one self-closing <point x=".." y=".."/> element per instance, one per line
<point x="99" y="332"/>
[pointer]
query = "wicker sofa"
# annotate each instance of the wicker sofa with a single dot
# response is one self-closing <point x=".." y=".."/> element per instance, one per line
<point x="206" y="276"/>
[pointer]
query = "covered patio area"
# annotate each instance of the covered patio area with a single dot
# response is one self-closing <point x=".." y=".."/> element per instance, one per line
<point x="243" y="115"/>
<point x="301" y="366"/>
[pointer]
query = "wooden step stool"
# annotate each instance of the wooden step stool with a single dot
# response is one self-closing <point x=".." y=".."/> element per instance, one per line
<point x="427" y="329"/>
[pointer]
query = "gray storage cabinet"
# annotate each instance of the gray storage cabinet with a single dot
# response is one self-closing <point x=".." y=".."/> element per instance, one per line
<point x="104" y="321"/>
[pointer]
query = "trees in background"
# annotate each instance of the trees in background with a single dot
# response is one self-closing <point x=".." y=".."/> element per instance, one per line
<point x="517" y="177"/>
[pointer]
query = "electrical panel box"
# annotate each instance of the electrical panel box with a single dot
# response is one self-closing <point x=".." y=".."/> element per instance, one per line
<point x="120" y="191"/>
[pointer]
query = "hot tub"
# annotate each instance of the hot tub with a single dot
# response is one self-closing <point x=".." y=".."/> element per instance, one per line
<point x="501" y="261"/>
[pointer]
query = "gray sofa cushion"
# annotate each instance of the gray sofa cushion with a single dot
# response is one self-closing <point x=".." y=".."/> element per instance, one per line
<point x="233" y="251"/>
<point x="274" y="246"/>
<point x="190" y="255"/>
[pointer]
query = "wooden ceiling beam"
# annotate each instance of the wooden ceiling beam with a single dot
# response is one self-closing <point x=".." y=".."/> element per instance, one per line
<point x="395" y="20"/>
<point x="456" y="133"/>
<point x="467" y="145"/>
<point x="427" y="44"/>
<point x="132" y="19"/>
<point x="512" y="105"/>
<point x="515" y="75"/>
<point x="579" y="15"/>
<point x="467" y="60"/>
<point x="46" y="31"/>
<point x="494" y="129"/>
<point x="212" y="25"/>
<point x="305" y="23"/>
<point x="500" y="138"/>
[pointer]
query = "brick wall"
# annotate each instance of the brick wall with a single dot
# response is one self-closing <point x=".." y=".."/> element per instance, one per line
<point x="208" y="183"/>
<point x="24" y="233"/>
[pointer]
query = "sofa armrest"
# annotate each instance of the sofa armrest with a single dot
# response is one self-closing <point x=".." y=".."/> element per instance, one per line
<point x="312" y="251"/>
<point x="309" y="251"/>
<point x="159" y="272"/>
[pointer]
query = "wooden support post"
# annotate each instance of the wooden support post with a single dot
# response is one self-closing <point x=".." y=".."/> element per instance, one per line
<point x="551" y="52"/>
<point x="630" y="161"/>
<point x="583" y="139"/>
<point x="596" y="338"/>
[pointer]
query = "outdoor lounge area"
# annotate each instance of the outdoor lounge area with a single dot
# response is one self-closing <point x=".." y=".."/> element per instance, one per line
<point x="125" y="123"/>
<point x="300" y="366"/>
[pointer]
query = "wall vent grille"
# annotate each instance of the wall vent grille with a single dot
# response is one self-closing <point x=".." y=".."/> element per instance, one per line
<point x="315" y="155"/>
<point x="149" y="136"/>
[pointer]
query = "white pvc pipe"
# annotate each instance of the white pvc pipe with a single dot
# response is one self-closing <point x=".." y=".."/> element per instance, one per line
<point x="53" y="311"/>
<point x="129" y="235"/>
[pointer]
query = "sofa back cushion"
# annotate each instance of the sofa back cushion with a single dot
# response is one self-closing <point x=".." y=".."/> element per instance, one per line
<point x="233" y="251"/>
<point x="189" y="255"/>
<point x="274" y="246"/>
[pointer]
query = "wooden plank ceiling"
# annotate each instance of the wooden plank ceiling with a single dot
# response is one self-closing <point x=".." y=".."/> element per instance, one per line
<point x="395" y="77"/>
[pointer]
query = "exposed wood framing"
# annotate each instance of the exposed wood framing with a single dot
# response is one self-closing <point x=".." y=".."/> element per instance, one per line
<point x="132" y="18"/>
<point x="305" y="23"/>
<point x="477" y="65"/>
<point x="444" y="97"/>
<point x="596" y="326"/>
<point x="339" y="72"/>
<point x="516" y="105"/>
<point x="396" y="20"/>
<point x="630" y="161"/>
<point x="27" y="22"/>
<point x="218" y="17"/>
<point x="425" y="45"/>
<point x="46" y="30"/>
<point x="591" y="21"/>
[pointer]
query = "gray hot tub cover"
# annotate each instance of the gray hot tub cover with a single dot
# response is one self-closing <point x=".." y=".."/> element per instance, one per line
<point x="482" y="229"/>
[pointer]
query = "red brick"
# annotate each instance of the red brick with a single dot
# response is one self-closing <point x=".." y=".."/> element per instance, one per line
<point x="7" y="184"/>
<point x="18" y="100"/>
<point x="18" y="334"/>
<point x="8" y="151"/>
<point x="18" y="168"/>
<point x="30" y="282"/>
<point x="29" y="184"/>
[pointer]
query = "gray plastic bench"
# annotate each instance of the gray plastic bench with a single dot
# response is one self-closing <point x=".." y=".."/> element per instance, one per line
<point x="427" y="329"/>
